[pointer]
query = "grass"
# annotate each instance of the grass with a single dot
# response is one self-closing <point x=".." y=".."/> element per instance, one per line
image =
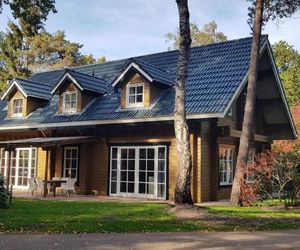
<point x="38" y="216"/>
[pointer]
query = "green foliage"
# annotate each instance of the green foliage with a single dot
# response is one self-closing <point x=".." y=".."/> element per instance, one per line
<point x="274" y="9"/>
<point x="207" y="35"/>
<point x="277" y="174"/>
<point x="30" y="13"/>
<point x="288" y="62"/>
<point x="4" y="196"/>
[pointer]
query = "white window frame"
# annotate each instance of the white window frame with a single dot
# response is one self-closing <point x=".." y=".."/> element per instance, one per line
<point x="65" y="160"/>
<point x="20" y="114"/>
<point x="229" y="164"/>
<point x="137" y="169"/>
<point x="16" y="156"/>
<point x="135" y="104"/>
<point x="69" y="110"/>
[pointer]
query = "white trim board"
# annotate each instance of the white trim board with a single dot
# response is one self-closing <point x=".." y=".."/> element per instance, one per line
<point x="62" y="80"/>
<point x="137" y="67"/>
<point x="14" y="84"/>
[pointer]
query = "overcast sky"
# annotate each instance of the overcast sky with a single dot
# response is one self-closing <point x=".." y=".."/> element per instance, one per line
<point x="125" y="28"/>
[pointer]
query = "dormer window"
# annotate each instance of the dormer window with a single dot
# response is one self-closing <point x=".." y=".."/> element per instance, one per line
<point x="135" y="95"/>
<point x="70" y="102"/>
<point x="18" y="107"/>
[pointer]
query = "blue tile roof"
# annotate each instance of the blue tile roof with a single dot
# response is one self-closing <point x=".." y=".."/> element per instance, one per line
<point x="35" y="89"/>
<point x="156" y="74"/>
<point x="214" y="75"/>
<point x="87" y="82"/>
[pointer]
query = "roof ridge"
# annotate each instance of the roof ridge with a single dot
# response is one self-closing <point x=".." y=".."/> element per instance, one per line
<point x="157" y="53"/>
<point x="68" y="69"/>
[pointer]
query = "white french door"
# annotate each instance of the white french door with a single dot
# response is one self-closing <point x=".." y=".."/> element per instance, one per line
<point x="138" y="171"/>
<point x="23" y="166"/>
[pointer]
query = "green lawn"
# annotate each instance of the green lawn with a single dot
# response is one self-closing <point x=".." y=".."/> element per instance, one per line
<point x="37" y="216"/>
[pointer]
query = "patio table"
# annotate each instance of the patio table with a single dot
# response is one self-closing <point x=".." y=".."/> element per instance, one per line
<point x="54" y="184"/>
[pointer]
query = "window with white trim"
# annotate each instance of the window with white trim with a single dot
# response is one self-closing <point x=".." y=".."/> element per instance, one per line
<point x="226" y="165"/>
<point x="70" y="102"/>
<point x="135" y="95"/>
<point x="70" y="169"/>
<point x="18" y="105"/>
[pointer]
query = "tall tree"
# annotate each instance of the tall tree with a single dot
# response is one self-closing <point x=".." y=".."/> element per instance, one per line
<point x="288" y="62"/>
<point x="274" y="9"/>
<point x="207" y="35"/>
<point x="30" y="13"/>
<point x="53" y="51"/>
<point x="183" y="181"/>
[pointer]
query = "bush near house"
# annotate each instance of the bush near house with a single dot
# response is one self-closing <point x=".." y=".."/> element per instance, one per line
<point x="276" y="173"/>
<point x="4" y="195"/>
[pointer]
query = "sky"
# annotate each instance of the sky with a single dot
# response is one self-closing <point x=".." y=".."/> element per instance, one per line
<point x="126" y="28"/>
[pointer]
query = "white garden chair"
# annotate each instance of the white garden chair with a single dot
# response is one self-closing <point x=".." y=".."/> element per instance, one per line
<point x="70" y="186"/>
<point x="32" y="186"/>
<point x="40" y="186"/>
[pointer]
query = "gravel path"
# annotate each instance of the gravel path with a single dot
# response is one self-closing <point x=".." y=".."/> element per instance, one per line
<point x="247" y="240"/>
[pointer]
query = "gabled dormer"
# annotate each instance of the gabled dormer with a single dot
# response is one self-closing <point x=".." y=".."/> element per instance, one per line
<point x="76" y="90"/>
<point x="140" y="84"/>
<point x="24" y="96"/>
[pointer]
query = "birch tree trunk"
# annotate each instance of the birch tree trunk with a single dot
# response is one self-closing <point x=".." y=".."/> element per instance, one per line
<point x="183" y="181"/>
<point x="248" y="121"/>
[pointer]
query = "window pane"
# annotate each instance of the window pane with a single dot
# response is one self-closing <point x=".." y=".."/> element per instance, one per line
<point x="123" y="164"/>
<point x="130" y="175"/>
<point x="150" y="176"/>
<point x="161" y="165"/>
<point x="142" y="153"/>
<point x="114" y="153"/>
<point x="131" y="90"/>
<point x="150" y="165"/>
<point x="161" y="177"/>
<point x="113" y="175"/>
<point x="142" y="176"/>
<point x="150" y="153"/>
<point x="113" y="187"/>
<point x="142" y="165"/>
<point x="150" y="188"/>
<point x="131" y="164"/>
<point x="139" y="98"/>
<point x="114" y="164"/>
<point x="123" y="187"/>
<point x="142" y="188"/>
<point x="123" y="175"/>
<point x="161" y="190"/>
<point x="130" y="187"/>
<point x="131" y="99"/>
<point x="124" y="153"/>
<point x="161" y="153"/>
<point x="131" y="153"/>
<point x="139" y="90"/>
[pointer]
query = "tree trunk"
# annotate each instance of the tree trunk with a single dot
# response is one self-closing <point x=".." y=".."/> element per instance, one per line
<point x="183" y="181"/>
<point x="248" y="121"/>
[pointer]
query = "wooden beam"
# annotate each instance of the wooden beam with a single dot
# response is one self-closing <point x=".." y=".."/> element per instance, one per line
<point x="257" y="137"/>
<point x="46" y="171"/>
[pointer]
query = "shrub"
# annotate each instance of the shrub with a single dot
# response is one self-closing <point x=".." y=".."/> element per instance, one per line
<point x="277" y="174"/>
<point x="4" y="195"/>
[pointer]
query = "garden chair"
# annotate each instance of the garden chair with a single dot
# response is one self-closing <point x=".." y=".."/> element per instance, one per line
<point x="32" y="186"/>
<point x="40" y="186"/>
<point x="70" y="186"/>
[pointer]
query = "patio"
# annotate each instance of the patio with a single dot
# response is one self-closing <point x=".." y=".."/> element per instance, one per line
<point x="47" y="144"/>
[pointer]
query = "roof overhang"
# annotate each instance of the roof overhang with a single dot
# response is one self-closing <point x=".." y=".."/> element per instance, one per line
<point x="266" y="47"/>
<point x="65" y="76"/>
<point x="46" y="142"/>
<point x="10" y="89"/>
<point x="129" y="67"/>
